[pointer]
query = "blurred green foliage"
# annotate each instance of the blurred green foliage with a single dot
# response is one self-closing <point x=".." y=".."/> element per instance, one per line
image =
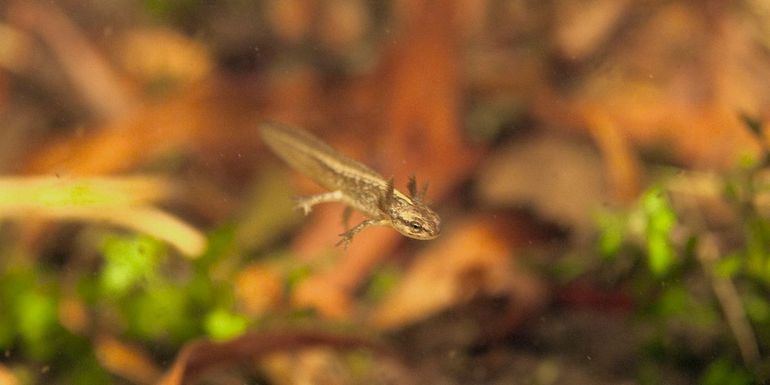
<point x="30" y="328"/>
<point x="725" y="372"/>
<point x="29" y="300"/>
<point x="660" y="219"/>
<point x="383" y="282"/>
<point x="134" y="289"/>
<point x="136" y="283"/>
<point x="129" y="262"/>
<point x="222" y="324"/>
<point x="658" y="249"/>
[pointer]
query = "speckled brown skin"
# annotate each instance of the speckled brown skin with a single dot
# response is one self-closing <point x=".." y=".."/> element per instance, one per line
<point x="352" y="183"/>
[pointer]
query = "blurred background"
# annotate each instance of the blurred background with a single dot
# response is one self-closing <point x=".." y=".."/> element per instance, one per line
<point x="599" y="167"/>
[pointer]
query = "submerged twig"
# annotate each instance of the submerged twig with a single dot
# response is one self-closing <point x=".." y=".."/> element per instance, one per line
<point x="729" y="300"/>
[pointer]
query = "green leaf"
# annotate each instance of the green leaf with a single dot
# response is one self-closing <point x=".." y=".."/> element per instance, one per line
<point x="296" y="275"/>
<point x="223" y="325"/>
<point x="757" y="252"/>
<point x="36" y="319"/>
<point x="87" y="370"/>
<point x="383" y="282"/>
<point x="661" y="220"/>
<point x="612" y="233"/>
<point x="220" y="241"/>
<point x="747" y="161"/>
<point x="129" y="260"/>
<point x="161" y="312"/>
<point x="724" y="371"/>
<point x="7" y="331"/>
<point x="757" y="308"/>
<point x="728" y="266"/>
<point x="674" y="301"/>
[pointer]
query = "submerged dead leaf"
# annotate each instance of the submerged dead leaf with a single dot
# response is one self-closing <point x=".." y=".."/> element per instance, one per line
<point x="73" y="315"/>
<point x="656" y="97"/>
<point x="308" y="366"/>
<point x="586" y="26"/>
<point x="7" y="377"/>
<point x="163" y="55"/>
<point x="540" y="172"/>
<point x="422" y="102"/>
<point x="199" y="356"/>
<point x="476" y="258"/>
<point x="125" y="360"/>
<point x="102" y="88"/>
<point x="258" y="289"/>
<point x="15" y="48"/>
<point x="133" y="130"/>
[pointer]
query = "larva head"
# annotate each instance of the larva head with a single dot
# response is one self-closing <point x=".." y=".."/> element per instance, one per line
<point x="416" y="221"/>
